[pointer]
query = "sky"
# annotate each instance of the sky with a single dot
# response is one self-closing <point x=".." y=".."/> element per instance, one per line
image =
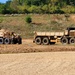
<point x="3" y="1"/>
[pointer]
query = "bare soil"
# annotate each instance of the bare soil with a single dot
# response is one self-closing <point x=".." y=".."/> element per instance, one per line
<point x="45" y="59"/>
<point x="28" y="46"/>
<point x="49" y="63"/>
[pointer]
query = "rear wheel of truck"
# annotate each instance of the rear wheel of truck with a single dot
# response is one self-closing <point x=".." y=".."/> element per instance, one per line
<point x="45" y="41"/>
<point x="72" y="41"/>
<point x="14" y="41"/>
<point x="1" y="40"/>
<point x="6" y="41"/>
<point x="19" y="40"/>
<point x="38" y="41"/>
<point x="64" y="40"/>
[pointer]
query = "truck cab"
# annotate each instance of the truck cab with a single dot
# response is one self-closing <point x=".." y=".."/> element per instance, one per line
<point x="71" y="31"/>
<point x="70" y="37"/>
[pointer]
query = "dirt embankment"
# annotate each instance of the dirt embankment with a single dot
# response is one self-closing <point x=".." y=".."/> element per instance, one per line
<point x="28" y="46"/>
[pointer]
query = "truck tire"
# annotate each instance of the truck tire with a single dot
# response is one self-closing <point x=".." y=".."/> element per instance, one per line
<point x="15" y="41"/>
<point x="72" y="41"/>
<point x="1" y="40"/>
<point x="6" y="41"/>
<point x="19" y="40"/>
<point x="38" y="41"/>
<point x="64" y="40"/>
<point x="45" y="41"/>
<point x="12" y="41"/>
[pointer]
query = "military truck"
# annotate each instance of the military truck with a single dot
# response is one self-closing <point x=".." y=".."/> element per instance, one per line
<point x="8" y="37"/>
<point x="65" y="37"/>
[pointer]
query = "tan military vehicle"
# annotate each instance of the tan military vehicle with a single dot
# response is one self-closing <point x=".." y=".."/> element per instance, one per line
<point x="8" y="37"/>
<point x="65" y="37"/>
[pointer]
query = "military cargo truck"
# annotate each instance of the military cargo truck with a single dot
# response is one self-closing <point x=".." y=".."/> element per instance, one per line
<point x="65" y="37"/>
<point x="8" y="37"/>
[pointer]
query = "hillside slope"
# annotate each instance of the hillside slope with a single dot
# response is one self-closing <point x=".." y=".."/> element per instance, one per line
<point x="40" y="22"/>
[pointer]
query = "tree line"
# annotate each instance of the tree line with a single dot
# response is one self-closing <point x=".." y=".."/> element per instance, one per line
<point x="37" y="6"/>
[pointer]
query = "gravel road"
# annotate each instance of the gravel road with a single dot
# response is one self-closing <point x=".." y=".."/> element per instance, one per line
<point x="45" y="63"/>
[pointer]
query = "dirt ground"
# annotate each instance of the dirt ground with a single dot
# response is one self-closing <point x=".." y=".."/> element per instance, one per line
<point x="44" y="60"/>
<point x="45" y="63"/>
<point x="28" y="46"/>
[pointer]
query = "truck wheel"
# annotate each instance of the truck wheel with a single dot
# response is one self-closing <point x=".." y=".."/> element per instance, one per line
<point x="1" y="40"/>
<point x="6" y="41"/>
<point x="19" y="40"/>
<point x="64" y="41"/>
<point x="38" y="41"/>
<point x="45" y="41"/>
<point x="14" y="41"/>
<point x="72" y="41"/>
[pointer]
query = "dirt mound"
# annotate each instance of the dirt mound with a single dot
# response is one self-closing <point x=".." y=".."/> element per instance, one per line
<point x="28" y="46"/>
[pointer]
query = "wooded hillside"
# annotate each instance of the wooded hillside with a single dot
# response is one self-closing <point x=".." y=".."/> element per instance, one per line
<point x="38" y="6"/>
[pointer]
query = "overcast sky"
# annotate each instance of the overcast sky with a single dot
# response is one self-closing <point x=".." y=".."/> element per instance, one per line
<point x="3" y="1"/>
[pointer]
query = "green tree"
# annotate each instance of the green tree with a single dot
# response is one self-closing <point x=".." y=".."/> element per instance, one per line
<point x="1" y="8"/>
<point x="45" y="9"/>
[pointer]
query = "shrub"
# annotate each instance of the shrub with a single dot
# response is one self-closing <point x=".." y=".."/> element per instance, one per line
<point x="28" y="19"/>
